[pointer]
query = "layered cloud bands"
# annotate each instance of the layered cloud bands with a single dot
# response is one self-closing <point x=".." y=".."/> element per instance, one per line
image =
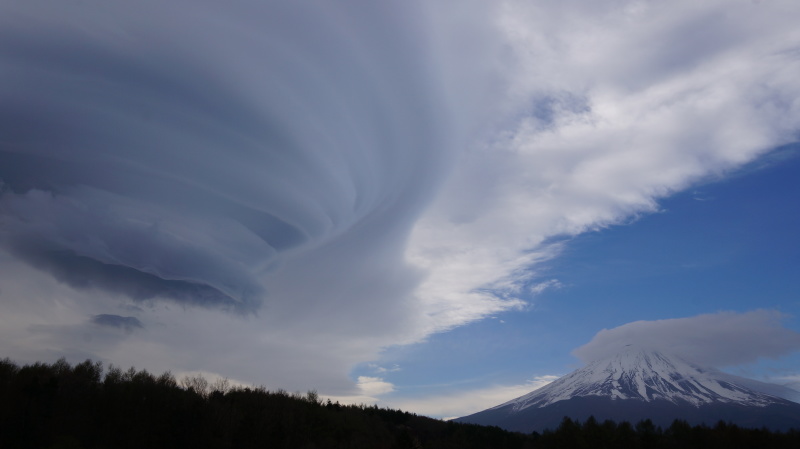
<point x="177" y="150"/>
<point x="344" y="176"/>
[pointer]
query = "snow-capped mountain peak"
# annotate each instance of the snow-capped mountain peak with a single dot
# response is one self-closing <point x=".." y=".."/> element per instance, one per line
<point x="637" y="383"/>
<point x="645" y="375"/>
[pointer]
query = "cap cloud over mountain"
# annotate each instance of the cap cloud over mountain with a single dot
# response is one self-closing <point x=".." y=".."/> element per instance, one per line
<point x="665" y="370"/>
<point x="718" y="339"/>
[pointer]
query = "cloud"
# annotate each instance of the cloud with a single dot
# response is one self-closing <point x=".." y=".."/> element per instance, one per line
<point x="369" y="389"/>
<point x="382" y="370"/>
<point x="611" y="107"/>
<point x="127" y="323"/>
<point x="191" y="174"/>
<point x="268" y="182"/>
<point x="792" y="382"/>
<point x="720" y="339"/>
<point x="537" y="289"/>
<point x="374" y="386"/>
<point x="258" y="158"/>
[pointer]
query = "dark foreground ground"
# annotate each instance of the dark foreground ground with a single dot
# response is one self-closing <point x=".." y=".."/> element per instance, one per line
<point x="63" y="406"/>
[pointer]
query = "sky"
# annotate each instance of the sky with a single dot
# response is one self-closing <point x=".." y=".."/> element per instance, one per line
<point x="429" y="205"/>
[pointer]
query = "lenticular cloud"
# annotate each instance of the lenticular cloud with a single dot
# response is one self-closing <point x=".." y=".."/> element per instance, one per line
<point x="177" y="150"/>
<point x="720" y="339"/>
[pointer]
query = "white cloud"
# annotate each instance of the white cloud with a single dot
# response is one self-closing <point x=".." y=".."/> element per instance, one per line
<point x="542" y="286"/>
<point x="374" y="386"/>
<point x="611" y="106"/>
<point x="369" y="391"/>
<point x="719" y="339"/>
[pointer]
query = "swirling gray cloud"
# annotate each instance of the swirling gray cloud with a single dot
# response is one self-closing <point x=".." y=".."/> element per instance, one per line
<point x="344" y="175"/>
<point x="179" y="159"/>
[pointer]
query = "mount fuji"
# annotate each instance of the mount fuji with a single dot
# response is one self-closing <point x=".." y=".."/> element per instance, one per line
<point x="637" y="384"/>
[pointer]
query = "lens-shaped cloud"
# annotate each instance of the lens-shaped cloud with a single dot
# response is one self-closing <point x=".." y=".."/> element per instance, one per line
<point x="720" y="339"/>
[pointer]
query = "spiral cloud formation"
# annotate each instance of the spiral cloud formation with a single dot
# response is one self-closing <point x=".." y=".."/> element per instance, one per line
<point x="276" y="190"/>
<point x="179" y="151"/>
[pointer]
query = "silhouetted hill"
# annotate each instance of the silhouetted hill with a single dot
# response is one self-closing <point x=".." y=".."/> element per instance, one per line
<point x="63" y="406"/>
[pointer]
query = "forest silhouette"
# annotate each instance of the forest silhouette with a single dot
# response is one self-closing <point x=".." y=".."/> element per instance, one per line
<point x="84" y="406"/>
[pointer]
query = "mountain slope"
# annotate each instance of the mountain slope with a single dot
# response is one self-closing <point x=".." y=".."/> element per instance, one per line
<point x="636" y="384"/>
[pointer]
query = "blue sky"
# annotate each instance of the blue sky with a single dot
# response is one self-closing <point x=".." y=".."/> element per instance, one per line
<point x="432" y="205"/>
<point x="727" y="244"/>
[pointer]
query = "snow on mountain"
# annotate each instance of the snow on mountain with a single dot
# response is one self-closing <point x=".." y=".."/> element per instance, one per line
<point x="636" y="373"/>
<point x="638" y="383"/>
<point x="782" y="391"/>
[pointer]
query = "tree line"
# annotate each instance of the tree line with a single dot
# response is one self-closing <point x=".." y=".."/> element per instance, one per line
<point x="645" y="435"/>
<point x="79" y="406"/>
<point x="84" y="406"/>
